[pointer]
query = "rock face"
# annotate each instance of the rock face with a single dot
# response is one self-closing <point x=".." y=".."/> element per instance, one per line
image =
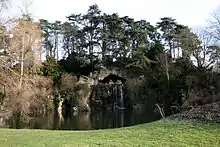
<point x="75" y="93"/>
<point x="83" y="90"/>
<point x="107" y="88"/>
<point x="104" y="72"/>
<point x="132" y="85"/>
<point x="108" y="96"/>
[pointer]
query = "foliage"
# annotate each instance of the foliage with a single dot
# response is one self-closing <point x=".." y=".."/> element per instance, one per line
<point x="35" y="95"/>
<point x="51" y="68"/>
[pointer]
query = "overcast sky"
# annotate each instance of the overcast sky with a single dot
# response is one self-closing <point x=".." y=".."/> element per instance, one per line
<point x="189" y="12"/>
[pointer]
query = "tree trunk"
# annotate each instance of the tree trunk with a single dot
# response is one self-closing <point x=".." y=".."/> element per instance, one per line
<point x="104" y="53"/>
<point x="178" y="52"/>
<point x="22" y="63"/>
<point x="170" y="51"/>
<point x="166" y="98"/>
<point x="56" y="47"/>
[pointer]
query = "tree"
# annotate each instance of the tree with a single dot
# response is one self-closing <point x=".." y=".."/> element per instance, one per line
<point x="214" y="56"/>
<point x="213" y="33"/>
<point x="4" y="5"/>
<point x="190" y="45"/>
<point x="56" y="27"/>
<point x="73" y="38"/>
<point x="112" y="33"/>
<point x="25" y="46"/>
<point x="208" y="50"/>
<point x="52" y="34"/>
<point x="196" y="46"/>
<point x="90" y="31"/>
<point x="170" y="29"/>
<point x="70" y="38"/>
<point x="105" y="38"/>
<point x="46" y="33"/>
<point x="214" y="27"/>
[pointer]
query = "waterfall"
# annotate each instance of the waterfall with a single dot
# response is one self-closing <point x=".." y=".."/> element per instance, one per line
<point x="113" y="95"/>
<point x="121" y="95"/>
<point x="118" y="94"/>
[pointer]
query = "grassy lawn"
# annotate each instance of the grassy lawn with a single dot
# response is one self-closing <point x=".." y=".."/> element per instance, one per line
<point x="160" y="133"/>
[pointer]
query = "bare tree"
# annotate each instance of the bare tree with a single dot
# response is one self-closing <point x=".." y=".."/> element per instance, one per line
<point x="4" y="4"/>
<point x="25" y="46"/>
<point x="21" y="42"/>
<point x="204" y="51"/>
<point x="212" y="35"/>
<point x="214" y="26"/>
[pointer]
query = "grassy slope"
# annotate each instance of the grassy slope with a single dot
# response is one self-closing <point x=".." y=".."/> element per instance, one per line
<point x="160" y="133"/>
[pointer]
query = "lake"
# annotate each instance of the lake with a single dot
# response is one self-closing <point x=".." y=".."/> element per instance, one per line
<point x="82" y="120"/>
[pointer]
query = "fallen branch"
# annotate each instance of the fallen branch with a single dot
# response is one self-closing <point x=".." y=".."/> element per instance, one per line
<point x="11" y="71"/>
<point x="161" y="111"/>
<point x="15" y="73"/>
<point x="3" y="84"/>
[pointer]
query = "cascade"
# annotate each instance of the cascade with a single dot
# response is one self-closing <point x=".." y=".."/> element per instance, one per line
<point x="121" y="95"/>
<point x="118" y="94"/>
<point x="109" y="92"/>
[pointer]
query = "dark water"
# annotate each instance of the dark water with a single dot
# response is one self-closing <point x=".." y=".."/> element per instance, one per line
<point x="82" y="120"/>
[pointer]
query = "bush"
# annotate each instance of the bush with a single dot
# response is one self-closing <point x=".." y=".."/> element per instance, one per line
<point x="35" y="95"/>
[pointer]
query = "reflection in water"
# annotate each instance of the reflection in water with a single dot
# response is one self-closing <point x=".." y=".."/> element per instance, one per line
<point x="82" y="120"/>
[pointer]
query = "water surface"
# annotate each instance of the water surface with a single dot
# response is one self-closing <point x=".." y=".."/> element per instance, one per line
<point x="82" y="120"/>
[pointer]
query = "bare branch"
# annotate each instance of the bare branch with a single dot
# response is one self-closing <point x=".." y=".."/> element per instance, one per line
<point x="161" y="111"/>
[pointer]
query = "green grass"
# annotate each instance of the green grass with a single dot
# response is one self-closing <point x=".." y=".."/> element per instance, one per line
<point x="161" y="133"/>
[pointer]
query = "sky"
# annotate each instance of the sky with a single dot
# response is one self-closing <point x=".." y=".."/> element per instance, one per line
<point x="188" y="12"/>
